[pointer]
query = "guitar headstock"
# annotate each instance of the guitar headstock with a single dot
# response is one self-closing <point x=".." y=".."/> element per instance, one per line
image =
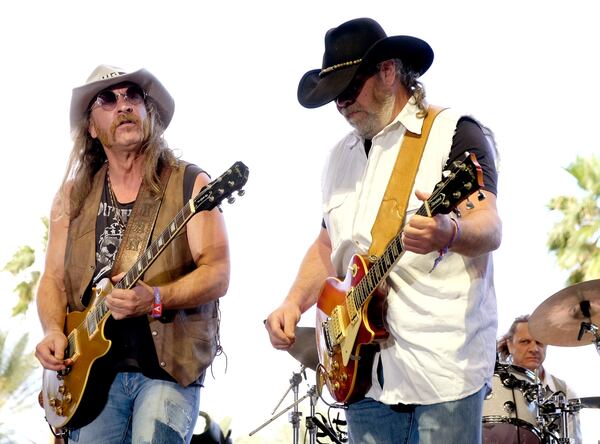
<point x="464" y="178"/>
<point x="222" y="188"/>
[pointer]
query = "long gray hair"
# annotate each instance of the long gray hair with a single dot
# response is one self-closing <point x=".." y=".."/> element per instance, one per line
<point x="409" y="79"/>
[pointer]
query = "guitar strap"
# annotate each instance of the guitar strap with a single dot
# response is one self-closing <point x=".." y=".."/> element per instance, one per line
<point x="395" y="199"/>
<point x="140" y="225"/>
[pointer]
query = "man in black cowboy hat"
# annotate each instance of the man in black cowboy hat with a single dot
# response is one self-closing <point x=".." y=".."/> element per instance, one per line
<point x="122" y="181"/>
<point x="436" y="353"/>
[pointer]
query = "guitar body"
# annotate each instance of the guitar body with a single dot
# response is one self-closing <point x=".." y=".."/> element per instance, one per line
<point x="67" y="397"/>
<point x="347" y="340"/>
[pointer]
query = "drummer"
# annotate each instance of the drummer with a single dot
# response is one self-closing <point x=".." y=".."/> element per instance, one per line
<point x="519" y="348"/>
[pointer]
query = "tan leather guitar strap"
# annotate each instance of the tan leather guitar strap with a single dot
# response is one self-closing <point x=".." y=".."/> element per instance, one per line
<point x="395" y="199"/>
<point x="140" y="225"/>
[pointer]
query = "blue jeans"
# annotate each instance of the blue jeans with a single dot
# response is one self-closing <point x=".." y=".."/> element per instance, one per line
<point x="142" y="410"/>
<point x="454" y="422"/>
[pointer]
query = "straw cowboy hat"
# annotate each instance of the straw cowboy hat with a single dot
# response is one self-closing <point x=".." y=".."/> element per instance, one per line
<point x="356" y="44"/>
<point x="105" y="76"/>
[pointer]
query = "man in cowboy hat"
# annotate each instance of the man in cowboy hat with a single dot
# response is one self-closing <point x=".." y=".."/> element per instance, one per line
<point x="436" y="360"/>
<point x="123" y="180"/>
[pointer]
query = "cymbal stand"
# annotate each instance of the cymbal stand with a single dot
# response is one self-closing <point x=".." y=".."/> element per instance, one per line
<point x="593" y="329"/>
<point x="554" y="407"/>
<point x="310" y="420"/>
<point x="313" y="423"/>
<point x="295" y="414"/>
<point x="564" y="423"/>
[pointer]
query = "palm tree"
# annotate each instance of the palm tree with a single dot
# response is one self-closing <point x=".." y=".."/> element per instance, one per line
<point x="16" y="364"/>
<point x="576" y="237"/>
<point x="15" y="367"/>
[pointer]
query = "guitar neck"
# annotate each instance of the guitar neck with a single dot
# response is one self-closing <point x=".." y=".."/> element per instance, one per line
<point x="148" y="257"/>
<point x="384" y="264"/>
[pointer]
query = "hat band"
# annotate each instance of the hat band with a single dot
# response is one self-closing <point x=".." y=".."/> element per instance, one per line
<point x="338" y="66"/>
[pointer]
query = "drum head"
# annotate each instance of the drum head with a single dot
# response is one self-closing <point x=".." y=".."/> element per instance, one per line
<point x="506" y="433"/>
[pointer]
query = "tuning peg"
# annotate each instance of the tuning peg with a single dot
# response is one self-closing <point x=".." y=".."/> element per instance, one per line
<point x="241" y="192"/>
<point x="480" y="195"/>
<point x="230" y="199"/>
<point x="470" y="205"/>
<point x="457" y="212"/>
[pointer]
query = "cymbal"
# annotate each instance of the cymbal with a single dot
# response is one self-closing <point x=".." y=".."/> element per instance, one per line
<point x="591" y="402"/>
<point x="305" y="347"/>
<point x="558" y="319"/>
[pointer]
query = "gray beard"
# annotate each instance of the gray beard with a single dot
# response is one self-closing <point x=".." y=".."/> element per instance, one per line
<point x="376" y="121"/>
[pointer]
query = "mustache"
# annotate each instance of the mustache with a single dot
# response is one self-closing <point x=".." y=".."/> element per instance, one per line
<point x="350" y="109"/>
<point x="127" y="117"/>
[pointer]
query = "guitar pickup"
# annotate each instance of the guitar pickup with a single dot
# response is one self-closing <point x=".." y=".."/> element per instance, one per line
<point x="351" y="306"/>
<point x="334" y="326"/>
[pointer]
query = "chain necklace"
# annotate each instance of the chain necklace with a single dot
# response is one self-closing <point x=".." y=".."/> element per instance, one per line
<point x="113" y="201"/>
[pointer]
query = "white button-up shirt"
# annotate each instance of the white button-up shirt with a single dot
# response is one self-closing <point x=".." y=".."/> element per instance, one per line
<point x="443" y="323"/>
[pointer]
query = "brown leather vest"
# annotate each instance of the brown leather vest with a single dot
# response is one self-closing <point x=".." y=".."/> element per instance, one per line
<point x="185" y="340"/>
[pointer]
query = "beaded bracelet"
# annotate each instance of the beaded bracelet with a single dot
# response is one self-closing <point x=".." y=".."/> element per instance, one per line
<point x="443" y="251"/>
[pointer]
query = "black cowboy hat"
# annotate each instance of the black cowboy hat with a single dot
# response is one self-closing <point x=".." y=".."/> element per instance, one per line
<point x="355" y="45"/>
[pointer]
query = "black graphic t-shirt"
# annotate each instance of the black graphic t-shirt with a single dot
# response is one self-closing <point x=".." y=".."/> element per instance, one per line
<point x="111" y="229"/>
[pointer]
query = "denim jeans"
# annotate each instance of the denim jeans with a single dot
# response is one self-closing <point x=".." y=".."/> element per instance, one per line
<point x="140" y="410"/>
<point x="454" y="422"/>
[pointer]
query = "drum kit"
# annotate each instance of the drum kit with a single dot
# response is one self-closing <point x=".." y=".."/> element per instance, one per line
<point x="519" y="409"/>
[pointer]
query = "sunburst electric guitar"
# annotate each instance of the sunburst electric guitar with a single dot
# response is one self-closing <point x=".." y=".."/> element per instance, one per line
<point x="351" y="313"/>
<point x="68" y="398"/>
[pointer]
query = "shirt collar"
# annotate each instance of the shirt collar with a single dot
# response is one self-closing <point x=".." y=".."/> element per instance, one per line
<point x="409" y="118"/>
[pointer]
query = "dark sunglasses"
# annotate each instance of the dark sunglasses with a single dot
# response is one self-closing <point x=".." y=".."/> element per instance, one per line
<point x="107" y="99"/>
<point x="353" y="90"/>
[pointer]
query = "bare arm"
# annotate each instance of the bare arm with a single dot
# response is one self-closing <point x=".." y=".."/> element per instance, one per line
<point x="480" y="229"/>
<point x="207" y="239"/>
<point x="314" y="269"/>
<point x="208" y="243"/>
<point x="51" y="294"/>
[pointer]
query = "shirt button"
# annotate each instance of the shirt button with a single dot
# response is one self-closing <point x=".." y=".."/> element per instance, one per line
<point x="154" y="333"/>
<point x="163" y="364"/>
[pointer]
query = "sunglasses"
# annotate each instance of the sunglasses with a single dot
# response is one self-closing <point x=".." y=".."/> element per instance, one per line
<point x="353" y="90"/>
<point x="107" y="99"/>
